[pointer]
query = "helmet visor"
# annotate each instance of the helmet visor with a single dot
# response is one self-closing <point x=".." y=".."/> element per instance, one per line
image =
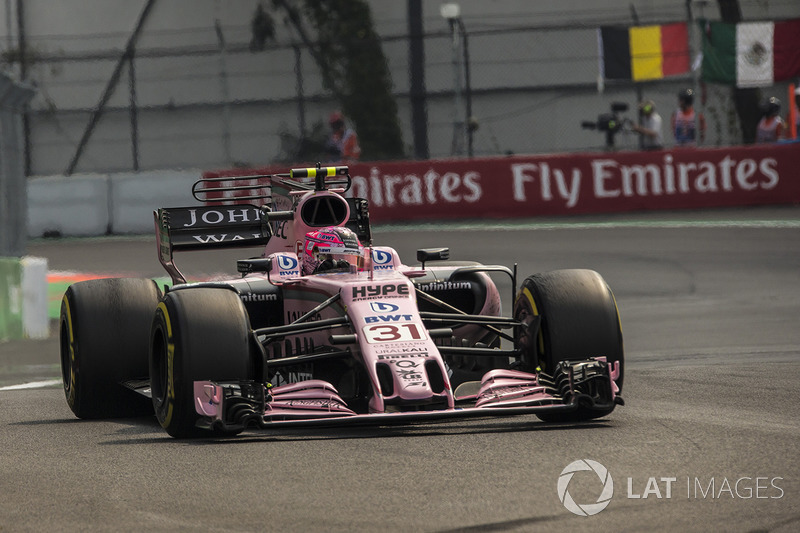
<point x="339" y="252"/>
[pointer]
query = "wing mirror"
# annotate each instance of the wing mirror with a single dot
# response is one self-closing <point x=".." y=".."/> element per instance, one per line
<point x="248" y="266"/>
<point x="432" y="254"/>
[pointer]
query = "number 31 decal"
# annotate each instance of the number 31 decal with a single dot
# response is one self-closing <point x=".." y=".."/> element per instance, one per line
<point x="375" y="333"/>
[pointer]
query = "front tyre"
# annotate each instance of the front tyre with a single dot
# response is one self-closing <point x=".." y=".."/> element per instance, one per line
<point x="197" y="334"/>
<point x="579" y="320"/>
<point x="104" y="340"/>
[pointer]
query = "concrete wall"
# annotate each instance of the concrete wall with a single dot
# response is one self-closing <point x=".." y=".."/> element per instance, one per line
<point x="496" y="187"/>
<point x="101" y="204"/>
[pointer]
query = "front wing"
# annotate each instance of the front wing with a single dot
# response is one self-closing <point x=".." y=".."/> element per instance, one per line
<point x="589" y="385"/>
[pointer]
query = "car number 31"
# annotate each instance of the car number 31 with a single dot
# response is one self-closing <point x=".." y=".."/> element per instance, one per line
<point x="375" y="333"/>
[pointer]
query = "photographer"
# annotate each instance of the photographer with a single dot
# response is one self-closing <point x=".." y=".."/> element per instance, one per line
<point x="650" y="127"/>
<point x="342" y="144"/>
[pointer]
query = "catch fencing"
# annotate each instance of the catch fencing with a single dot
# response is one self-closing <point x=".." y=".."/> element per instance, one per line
<point x="22" y="288"/>
<point x="13" y="193"/>
<point x="487" y="92"/>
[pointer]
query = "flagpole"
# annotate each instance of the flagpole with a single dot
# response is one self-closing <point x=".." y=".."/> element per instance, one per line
<point x="639" y="96"/>
<point x="698" y="101"/>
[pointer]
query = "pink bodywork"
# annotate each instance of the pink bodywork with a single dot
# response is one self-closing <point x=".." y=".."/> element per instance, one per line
<point x="384" y="317"/>
<point x="381" y="304"/>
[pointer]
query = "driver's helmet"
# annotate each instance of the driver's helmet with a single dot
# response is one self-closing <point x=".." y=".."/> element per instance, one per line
<point x="331" y="249"/>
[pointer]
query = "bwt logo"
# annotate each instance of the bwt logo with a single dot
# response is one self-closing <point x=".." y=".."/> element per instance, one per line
<point x="382" y="260"/>
<point x="383" y="307"/>
<point x="386" y="318"/>
<point x="586" y="509"/>
<point x="287" y="263"/>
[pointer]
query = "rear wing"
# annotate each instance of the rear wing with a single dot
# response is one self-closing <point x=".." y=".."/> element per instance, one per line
<point x="196" y="228"/>
<point x="227" y="222"/>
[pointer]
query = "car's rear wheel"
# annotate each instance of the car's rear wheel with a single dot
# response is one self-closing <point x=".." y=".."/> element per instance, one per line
<point x="104" y="339"/>
<point x="579" y="320"/>
<point x="197" y="334"/>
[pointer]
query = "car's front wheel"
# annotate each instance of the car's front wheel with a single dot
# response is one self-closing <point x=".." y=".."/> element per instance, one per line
<point x="197" y="334"/>
<point x="579" y="320"/>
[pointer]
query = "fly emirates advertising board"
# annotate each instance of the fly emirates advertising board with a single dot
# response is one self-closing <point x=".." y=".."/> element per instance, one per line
<point x="564" y="184"/>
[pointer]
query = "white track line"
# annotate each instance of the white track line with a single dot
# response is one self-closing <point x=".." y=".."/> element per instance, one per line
<point x="33" y="385"/>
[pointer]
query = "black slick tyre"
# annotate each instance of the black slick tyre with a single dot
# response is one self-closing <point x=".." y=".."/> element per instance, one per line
<point x="197" y="334"/>
<point x="104" y="340"/>
<point x="579" y="320"/>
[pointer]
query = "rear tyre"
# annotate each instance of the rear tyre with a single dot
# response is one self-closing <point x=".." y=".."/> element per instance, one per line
<point x="579" y="319"/>
<point x="104" y="339"/>
<point x="197" y="334"/>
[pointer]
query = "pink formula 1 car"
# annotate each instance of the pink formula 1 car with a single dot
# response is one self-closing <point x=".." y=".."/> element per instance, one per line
<point x="326" y="329"/>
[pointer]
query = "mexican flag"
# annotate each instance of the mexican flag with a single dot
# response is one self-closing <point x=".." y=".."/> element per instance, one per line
<point x="751" y="54"/>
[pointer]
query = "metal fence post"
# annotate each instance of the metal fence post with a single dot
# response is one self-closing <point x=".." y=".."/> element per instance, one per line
<point x="13" y="186"/>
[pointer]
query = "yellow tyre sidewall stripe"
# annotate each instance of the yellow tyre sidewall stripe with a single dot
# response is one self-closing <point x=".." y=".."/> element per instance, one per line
<point x="170" y="392"/>
<point x="527" y="294"/>
<point x="73" y="378"/>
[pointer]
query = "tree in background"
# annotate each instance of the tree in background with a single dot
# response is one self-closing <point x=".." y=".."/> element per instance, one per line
<point x="340" y="36"/>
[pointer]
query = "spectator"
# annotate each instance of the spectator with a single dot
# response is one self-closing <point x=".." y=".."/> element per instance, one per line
<point x="796" y="113"/>
<point x="771" y="126"/>
<point x="650" y="127"/>
<point x="343" y="142"/>
<point x="685" y="121"/>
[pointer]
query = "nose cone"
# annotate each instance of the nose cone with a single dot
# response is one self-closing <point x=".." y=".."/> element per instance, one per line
<point x="407" y="382"/>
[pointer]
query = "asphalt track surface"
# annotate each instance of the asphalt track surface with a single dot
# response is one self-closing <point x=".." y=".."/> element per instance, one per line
<point x="708" y="439"/>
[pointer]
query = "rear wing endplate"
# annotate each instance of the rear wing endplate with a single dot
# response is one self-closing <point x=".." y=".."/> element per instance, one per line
<point x="196" y="228"/>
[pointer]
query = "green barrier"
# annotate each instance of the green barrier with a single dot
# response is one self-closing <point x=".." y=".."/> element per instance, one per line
<point x="10" y="298"/>
<point x="55" y="293"/>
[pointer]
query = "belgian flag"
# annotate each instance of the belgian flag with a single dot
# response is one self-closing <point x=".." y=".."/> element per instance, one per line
<point x="641" y="53"/>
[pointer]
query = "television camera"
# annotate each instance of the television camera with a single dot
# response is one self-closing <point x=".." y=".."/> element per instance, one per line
<point x="611" y="123"/>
